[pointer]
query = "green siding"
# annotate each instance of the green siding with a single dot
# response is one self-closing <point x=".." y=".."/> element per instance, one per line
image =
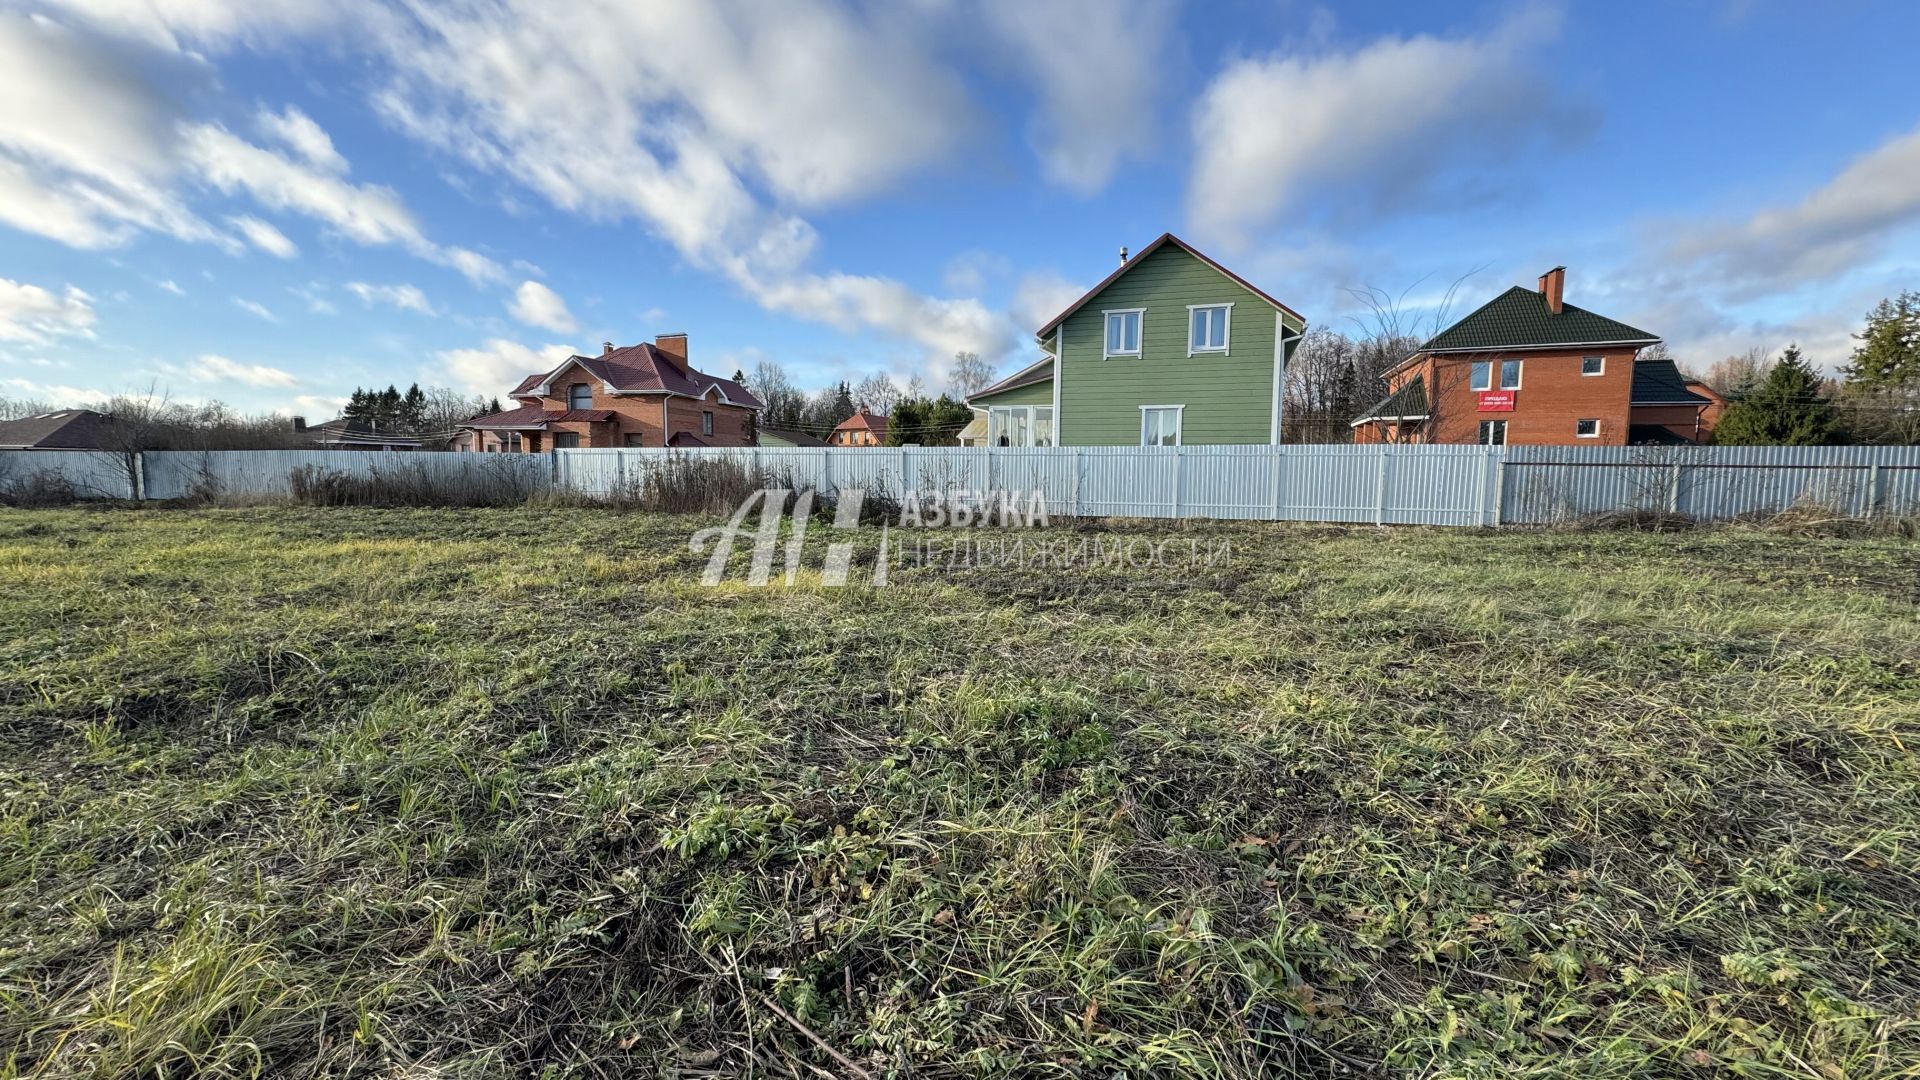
<point x="1228" y="397"/>
<point x="1040" y="393"/>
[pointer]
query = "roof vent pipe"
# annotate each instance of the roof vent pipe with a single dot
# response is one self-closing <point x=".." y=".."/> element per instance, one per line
<point x="1123" y="256"/>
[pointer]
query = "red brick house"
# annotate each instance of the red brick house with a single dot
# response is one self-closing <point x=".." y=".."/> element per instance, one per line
<point x="863" y="428"/>
<point x="1528" y="368"/>
<point x="640" y="395"/>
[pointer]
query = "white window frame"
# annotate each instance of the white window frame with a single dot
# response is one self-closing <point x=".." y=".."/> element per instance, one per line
<point x="706" y="421"/>
<point x="999" y="415"/>
<point x="1179" y="422"/>
<point x="1139" y="333"/>
<point x="1519" y="369"/>
<point x="1487" y="425"/>
<point x="1594" y="434"/>
<point x="1473" y="376"/>
<point x="1590" y="374"/>
<point x="1226" y="329"/>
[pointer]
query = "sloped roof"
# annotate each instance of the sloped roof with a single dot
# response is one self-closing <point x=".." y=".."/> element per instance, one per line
<point x="863" y="420"/>
<point x="796" y="438"/>
<point x="536" y="416"/>
<point x="643" y="369"/>
<point x="1409" y="402"/>
<point x="687" y="438"/>
<point x="66" y="429"/>
<point x="1659" y="382"/>
<point x="1519" y="319"/>
<point x="1027" y="376"/>
<point x="1133" y="261"/>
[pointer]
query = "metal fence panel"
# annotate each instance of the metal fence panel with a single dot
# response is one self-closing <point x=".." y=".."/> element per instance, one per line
<point x="1426" y="485"/>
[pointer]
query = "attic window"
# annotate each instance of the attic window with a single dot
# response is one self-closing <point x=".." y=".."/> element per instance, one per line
<point x="1593" y="365"/>
<point x="1123" y="331"/>
<point x="580" y="396"/>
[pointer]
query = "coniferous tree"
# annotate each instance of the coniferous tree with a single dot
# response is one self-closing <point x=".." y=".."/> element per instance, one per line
<point x="1786" y="409"/>
<point x="412" y="413"/>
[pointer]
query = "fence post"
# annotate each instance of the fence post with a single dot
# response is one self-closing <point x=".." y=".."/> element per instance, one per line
<point x="1499" y="483"/>
<point x="1873" y="489"/>
<point x="139" y="476"/>
<point x="990" y="486"/>
<point x="1380" y="488"/>
<point x="905" y="487"/>
<point x="1079" y="462"/>
<point x="826" y="472"/>
<point x="1179" y="462"/>
<point x="1673" y="490"/>
<point x="619" y="474"/>
<point x="1274" y="465"/>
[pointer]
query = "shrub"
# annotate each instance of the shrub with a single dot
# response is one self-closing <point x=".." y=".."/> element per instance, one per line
<point x="499" y="481"/>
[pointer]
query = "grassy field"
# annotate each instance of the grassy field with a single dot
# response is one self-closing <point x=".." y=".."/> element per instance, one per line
<point x="507" y="792"/>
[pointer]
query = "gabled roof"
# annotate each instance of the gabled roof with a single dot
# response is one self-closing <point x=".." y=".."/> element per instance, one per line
<point x="1659" y="382"/>
<point x="1165" y="238"/>
<point x="66" y="429"/>
<point x="863" y="420"/>
<point x="687" y="438"/>
<point x="1409" y="402"/>
<point x="1519" y="319"/>
<point x="1039" y="372"/>
<point x="642" y="369"/>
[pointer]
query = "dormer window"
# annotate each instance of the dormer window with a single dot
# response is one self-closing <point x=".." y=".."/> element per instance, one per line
<point x="580" y="396"/>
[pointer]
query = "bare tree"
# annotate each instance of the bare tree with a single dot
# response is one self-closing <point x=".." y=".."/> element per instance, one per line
<point x="783" y="403"/>
<point x="446" y="410"/>
<point x="17" y="408"/>
<point x="878" y="392"/>
<point x="969" y="376"/>
<point x="1733" y="376"/>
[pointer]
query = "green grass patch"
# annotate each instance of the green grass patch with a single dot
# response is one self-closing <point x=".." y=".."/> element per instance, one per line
<point x="461" y="793"/>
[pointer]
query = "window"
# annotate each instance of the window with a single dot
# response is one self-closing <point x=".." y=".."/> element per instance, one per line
<point x="1586" y="429"/>
<point x="1509" y="374"/>
<point x="1207" y="327"/>
<point x="1482" y="375"/>
<point x="1160" y="425"/>
<point x="1493" y="433"/>
<point x="511" y="442"/>
<point x="706" y="423"/>
<point x="635" y="438"/>
<point x="566" y="440"/>
<point x="1123" y="332"/>
<point x="1019" y="425"/>
<point x="580" y="396"/>
<point x="1593" y="365"/>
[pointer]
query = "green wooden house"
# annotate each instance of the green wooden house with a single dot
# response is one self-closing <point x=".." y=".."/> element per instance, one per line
<point x="1172" y="348"/>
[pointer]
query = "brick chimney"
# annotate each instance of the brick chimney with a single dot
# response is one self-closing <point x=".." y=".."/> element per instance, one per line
<point x="606" y="347"/>
<point x="674" y="345"/>
<point x="1553" y="286"/>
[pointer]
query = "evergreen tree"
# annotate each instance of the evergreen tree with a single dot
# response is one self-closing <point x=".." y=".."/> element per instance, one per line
<point x="493" y="406"/>
<point x="386" y="409"/>
<point x="412" y="413"/>
<point x="841" y="403"/>
<point x="1786" y="409"/>
<point x="358" y="406"/>
<point x="1888" y="356"/>
<point x="927" y="422"/>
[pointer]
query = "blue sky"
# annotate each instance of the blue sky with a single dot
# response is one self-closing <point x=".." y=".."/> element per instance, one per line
<point x="267" y="202"/>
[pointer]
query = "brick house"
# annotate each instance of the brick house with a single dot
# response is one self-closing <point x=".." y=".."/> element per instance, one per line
<point x="640" y="395"/>
<point x="863" y="428"/>
<point x="1528" y="368"/>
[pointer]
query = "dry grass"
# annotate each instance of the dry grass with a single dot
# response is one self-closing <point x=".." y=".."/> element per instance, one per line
<point x="462" y="793"/>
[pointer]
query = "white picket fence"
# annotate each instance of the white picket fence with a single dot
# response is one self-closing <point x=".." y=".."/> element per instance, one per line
<point x="1424" y="485"/>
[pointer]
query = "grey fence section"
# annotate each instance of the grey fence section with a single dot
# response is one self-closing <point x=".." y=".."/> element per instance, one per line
<point x="90" y="474"/>
<point x="1414" y="485"/>
<point x="180" y="474"/>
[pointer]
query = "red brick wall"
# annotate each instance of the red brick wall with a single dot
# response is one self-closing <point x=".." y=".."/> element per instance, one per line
<point x="1679" y="419"/>
<point x="642" y="415"/>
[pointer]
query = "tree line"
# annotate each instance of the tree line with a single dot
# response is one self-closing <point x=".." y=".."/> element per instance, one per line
<point x="915" y="413"/>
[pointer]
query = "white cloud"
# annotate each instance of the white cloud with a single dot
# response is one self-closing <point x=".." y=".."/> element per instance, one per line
<point x="404" y="297"/>
<point x="64" y="396"/>
<point x="537" y="305"/>
<point x="298" y="132"/>
<point x="166" y="22"/>
<point x="1041" y="296"/>
<point x="212" y="368"/>
<point x="498" y="366"/>
<point x="264" y="236"/>
<point x="1835" y="228"/>
<point x="1096" y="96"/>
<point x="318" y="403"/>
<point x="254" y="307"/>
<point x="1380" y="124"/>
<point x="30" y="313"/>
<point x="169" y="285"/>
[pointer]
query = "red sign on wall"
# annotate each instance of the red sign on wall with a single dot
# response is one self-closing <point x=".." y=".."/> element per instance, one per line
<point x="1496" y="401"/>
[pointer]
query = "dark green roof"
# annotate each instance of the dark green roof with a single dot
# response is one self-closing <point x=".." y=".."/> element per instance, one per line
<point x="1659" y="382"/>
<point x="1518" y="318"/>
<point x="1409" y="400"/>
